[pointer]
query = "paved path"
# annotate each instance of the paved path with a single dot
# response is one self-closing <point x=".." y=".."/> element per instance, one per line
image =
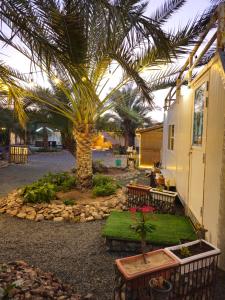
<point x="39" y="164"/>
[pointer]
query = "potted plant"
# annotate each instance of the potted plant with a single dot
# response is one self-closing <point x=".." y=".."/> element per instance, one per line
<point x="160" y="288"/>
<point x="145" y="263"/>
<point x="141" y="226"/>
<point x="194" y="255"/>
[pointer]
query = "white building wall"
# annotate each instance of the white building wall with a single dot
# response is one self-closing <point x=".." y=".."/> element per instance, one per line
<point x="176" y="163"/>
<point x="214" y="146"/>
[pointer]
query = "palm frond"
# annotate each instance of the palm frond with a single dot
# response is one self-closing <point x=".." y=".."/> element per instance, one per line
<point x="167" y="9"/>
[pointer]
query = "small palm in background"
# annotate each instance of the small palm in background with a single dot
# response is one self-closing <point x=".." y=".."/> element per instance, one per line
<point x="129" y="112"/>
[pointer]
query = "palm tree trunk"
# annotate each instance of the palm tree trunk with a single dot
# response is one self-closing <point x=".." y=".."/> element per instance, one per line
<point x="129" y="139"/>
<point x="84" y="136"/>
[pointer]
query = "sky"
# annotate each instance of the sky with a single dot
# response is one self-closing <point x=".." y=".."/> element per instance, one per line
<point x="180" y="18"/>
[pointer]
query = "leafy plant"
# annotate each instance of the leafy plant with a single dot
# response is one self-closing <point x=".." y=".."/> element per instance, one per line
<point x="158" y="283"/>
<point x="44" y="190"/>
<point x="142" y="225"/>
<point x="200" y="232"/>
<point x="69" y="202"/>
<point x="99" y="179"/>
<point x="104" y="189"/>
<point x="36" y="193"/>
<point x="104" y="185"/>
<point x="185" y="252"/>
<point x="160" y="188"/>
<point x="63" y="181"/>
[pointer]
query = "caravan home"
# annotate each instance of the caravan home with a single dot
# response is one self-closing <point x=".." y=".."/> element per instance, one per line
<point x="193" y="152"/>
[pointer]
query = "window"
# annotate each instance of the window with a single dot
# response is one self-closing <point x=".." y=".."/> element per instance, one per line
<point x="171" y="137"/>
<point x="198" y="115"/>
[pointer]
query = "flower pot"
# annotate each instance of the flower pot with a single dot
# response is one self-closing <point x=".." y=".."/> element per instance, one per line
<point x="160" y="294"/>
<point x="198" y="259"/>
<point x="134" y="266"/>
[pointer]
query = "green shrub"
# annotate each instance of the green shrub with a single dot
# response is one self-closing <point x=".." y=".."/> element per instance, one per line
<point x="104" y="185"/>
<point x="105" y="189"/>
<point x="36" y="193"/>
<point x="63" y="181"/>
<point x="44" y="190"/>
<point x="99" y="179"/>
<point x="69" y="202"/>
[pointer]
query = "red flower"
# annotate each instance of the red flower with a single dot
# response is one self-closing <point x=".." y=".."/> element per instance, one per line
<point x="133" y="209"/>
<point x="147" y="209"/>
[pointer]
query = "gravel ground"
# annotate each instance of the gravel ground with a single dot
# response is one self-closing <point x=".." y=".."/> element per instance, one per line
<point x="74" y="252"/>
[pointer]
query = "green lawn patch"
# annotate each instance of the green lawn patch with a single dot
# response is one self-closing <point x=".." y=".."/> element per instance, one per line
<point x="170" y="229"/>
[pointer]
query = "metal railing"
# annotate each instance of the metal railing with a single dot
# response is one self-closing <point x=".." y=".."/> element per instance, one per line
<point x="18" y="154"/>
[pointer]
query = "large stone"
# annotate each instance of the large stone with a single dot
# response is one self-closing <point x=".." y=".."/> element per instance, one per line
<point x="21" y="215"/>
<point x="31" y="216"/>
<point x="89" y="219"/>
<point x="105" y="209"/>
<point x="58" y="219"/>
<point x="12" y="212"/>
<point x="65" y="215"/>
<point x="39" y="217"/>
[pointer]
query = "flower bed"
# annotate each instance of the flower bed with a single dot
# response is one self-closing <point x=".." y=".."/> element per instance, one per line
<point x="89" y="209"/>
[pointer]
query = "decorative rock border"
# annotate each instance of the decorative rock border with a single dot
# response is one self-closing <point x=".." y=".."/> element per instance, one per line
<point x="13" y="205"/>
<point x="20" y="281"/>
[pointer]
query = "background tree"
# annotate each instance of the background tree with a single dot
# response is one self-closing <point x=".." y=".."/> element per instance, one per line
<point x="86" y="40"/>
<point x="129" y="112"/>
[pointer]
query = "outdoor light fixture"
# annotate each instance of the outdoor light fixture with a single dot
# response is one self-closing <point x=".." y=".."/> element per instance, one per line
<point x="39" y="129"/>
<point x="56" y="80"/>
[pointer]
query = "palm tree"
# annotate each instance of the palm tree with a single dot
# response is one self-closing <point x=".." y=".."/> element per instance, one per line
<point x="85" y="41"/>
<point x="11" y="92"/>
<point x="129" y="113"/>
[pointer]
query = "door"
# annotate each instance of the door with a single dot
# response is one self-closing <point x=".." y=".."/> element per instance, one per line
<point x="197" y="151"/>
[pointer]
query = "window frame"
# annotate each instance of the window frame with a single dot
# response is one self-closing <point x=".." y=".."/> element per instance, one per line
<point x="171" y="137"/>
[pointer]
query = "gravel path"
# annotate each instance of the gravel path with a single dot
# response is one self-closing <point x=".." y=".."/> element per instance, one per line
<point x="74" y="252"/>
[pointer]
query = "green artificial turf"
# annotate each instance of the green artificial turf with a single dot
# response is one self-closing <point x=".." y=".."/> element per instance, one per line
<point x="170" y="229"/>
